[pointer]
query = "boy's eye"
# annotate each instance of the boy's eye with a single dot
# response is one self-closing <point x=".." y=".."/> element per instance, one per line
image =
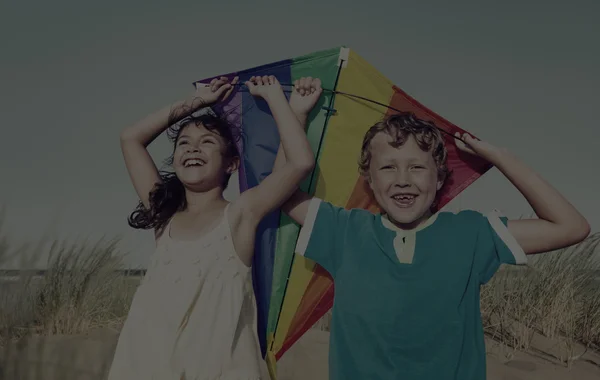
<point x="182" y="142"/>
<point x="418" y="167"/>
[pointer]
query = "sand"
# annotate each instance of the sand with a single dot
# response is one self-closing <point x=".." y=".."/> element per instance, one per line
<point x="88" y="358"/>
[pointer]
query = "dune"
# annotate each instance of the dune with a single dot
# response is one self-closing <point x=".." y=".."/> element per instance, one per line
<point x="88" y="357"/>
<point x="308" y="360"/>
<point x="557" y="293"/>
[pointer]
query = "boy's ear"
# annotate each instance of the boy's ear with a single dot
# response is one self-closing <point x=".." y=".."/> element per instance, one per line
<point x="364" y="175"/>
<point x="367" y="178"/>
<point x="440" y="183"/>
<point x="441" y="180"/>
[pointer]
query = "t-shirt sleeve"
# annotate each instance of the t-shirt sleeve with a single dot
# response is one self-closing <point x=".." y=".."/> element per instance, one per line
<point x="495" y="246"/>
<point x="322" y="235"/>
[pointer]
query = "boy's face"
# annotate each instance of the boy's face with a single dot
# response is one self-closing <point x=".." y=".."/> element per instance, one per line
<point x="404" y="180"/>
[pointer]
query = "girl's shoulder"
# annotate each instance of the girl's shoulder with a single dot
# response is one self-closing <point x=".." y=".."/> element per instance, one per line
<point x="234" y="213"/>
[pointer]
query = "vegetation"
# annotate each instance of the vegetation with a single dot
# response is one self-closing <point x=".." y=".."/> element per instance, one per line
<point x="557" y="296"/>
<point x="82" y="289"/>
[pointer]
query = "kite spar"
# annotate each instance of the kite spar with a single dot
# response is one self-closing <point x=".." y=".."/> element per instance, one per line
<point x="292" y="292"/>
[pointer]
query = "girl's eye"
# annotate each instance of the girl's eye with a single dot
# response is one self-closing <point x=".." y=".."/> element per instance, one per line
<point x="182" y="142"/>
<point x="388" y="167"/>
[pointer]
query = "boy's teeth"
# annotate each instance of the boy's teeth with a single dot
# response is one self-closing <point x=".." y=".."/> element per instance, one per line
<point x="404" y="197"/>
<point x="405" y="200"/>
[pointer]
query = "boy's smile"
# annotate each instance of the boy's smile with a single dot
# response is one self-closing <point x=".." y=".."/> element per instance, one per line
<point x="404" y="180"/>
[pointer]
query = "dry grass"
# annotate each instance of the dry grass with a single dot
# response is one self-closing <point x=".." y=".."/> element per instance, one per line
<point x="556" y="296"/>
<point x="82" y="289"/>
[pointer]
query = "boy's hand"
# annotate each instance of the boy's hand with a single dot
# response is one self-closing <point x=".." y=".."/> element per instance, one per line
<point x="265" y="87"/>
<point x="476" y="147"/>
<point x="218" y="90"/>
<point x="305" y="95"/>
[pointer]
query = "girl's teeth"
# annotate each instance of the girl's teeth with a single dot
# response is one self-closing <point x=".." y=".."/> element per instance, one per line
<point x="193" y="162"/>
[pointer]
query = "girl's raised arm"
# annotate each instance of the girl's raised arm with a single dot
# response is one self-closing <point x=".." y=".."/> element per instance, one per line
<point x="136" y="138"/>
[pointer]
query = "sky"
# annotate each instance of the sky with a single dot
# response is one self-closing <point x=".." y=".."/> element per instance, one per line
<point x="521" y="75"/>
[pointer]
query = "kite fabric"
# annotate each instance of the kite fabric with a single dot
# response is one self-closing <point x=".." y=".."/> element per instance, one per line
<point x="293" y="292"/>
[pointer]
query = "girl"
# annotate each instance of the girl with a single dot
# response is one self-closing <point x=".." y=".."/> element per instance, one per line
<point x="192" y="316"/>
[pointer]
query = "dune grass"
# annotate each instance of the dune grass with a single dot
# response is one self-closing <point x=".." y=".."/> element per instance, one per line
<point x="556" y="296"/>
<point x="82" y="289"/>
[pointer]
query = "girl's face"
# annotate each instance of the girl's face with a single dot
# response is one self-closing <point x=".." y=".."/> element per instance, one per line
<point x="404" y="180"/>
<point x="199" y="158"/>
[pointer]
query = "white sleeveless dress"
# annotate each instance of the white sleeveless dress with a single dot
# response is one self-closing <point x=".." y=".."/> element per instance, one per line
<point x="193" y="317"/>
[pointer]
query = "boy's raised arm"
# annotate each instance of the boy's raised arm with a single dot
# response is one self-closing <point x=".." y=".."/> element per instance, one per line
<point x="559" y="225"/>
<point x="296" y="207"/>
<point x="274" y="190"/>
<point x="306" y="93"/>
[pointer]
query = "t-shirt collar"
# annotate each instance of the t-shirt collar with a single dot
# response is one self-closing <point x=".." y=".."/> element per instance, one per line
<point x="391" y="226"/>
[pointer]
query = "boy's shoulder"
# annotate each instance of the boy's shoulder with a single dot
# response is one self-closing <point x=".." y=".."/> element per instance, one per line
<point x="361" y="217"/>
<point x="466" y="215"/>
<point x="466" y="219"/>
<point x="361" y="213"/>
<point x="348" y="216"/>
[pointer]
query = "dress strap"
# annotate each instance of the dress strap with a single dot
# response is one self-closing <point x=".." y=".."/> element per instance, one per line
<point x="225" y="217"/>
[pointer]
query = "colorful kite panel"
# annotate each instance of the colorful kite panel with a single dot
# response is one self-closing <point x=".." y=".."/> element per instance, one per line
<point x="292" y="292"/>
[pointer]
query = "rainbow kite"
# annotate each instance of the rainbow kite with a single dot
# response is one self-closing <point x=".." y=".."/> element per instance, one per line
<point x="292" y="292"/>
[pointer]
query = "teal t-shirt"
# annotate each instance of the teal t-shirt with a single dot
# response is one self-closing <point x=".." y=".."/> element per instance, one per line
<point x="406" y="302"/>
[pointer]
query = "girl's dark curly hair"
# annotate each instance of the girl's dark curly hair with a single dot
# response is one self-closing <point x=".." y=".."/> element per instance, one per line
<point x="168" y="196"/>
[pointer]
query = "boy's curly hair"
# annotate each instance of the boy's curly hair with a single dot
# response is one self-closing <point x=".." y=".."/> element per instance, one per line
<point x="400" y="126"/>
<point x="168" y="196"/>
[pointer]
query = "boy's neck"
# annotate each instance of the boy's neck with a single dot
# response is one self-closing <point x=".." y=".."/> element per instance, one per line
<point x="419" y="223"/>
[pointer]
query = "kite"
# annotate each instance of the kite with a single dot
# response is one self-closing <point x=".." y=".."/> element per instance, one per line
<point x="292" y="292"/>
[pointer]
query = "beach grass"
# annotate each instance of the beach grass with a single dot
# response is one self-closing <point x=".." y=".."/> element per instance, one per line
<point x="556" y="296"/>
<point x="82" y="288"/>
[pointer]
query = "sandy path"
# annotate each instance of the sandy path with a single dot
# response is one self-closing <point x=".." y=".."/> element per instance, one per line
<point x="88" y="358"/>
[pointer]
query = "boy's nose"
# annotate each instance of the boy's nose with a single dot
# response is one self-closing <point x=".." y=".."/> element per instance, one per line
<point x="402" y="184"/>
<point x="402" y="179"/>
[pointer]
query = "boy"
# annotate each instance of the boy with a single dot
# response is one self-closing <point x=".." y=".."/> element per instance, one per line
<point x="407" y="282"/>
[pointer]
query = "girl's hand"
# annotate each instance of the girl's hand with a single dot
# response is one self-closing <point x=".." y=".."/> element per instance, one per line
<point x="265" y="87"/>
<point x="218" y="90"/>
<point x="305" y="95"/>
